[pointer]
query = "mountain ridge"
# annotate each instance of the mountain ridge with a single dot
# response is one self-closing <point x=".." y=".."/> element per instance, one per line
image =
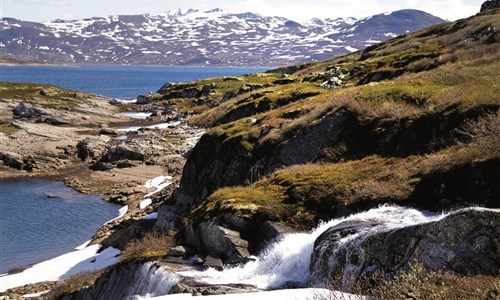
<point x="192" y="37"/>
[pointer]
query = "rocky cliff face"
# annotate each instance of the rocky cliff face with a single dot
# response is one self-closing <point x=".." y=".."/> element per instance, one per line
<point x="465" y="242"/>
<point x="402" y="122"/>
<point x="200" y="38"/>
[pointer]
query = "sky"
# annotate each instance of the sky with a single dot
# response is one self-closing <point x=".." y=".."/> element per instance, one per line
<point x="298" y="10"/>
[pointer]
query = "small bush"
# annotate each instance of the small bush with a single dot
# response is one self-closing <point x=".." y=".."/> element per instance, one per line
<point x="151" y="245"/>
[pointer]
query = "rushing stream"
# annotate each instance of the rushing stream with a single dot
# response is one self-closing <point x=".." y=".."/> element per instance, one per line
<point x="287" y="260"/>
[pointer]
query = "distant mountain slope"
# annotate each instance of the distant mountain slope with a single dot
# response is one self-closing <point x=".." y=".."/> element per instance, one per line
<point x="200" y="38"/>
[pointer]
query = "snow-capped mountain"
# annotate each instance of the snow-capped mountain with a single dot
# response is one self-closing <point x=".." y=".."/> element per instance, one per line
<point x="191" y="37"/>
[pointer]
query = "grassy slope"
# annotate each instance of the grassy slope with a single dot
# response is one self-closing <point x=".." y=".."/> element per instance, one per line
<point x="448" y="68"/>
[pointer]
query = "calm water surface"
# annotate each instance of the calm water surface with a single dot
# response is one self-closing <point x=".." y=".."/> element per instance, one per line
<point x="122" y="82"/>
<point x="34" y="227"/>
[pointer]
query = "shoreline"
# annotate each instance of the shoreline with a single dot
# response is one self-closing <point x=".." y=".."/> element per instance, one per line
<point x="22" y="266"/>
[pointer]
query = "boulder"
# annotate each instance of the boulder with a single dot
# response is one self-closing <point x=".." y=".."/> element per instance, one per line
<point x="108" y="131"/>
<point x="91" y="148"/>
<point x="12" y="160"/>
<point x="218" y="241"/>
<point x="491" y="4"/>
<point x="212" y="262"/>
<point x="465" y="242"/>
<point x="25" y="110"/>
<point x="177" y="251"/>
<point x="120" y="152"/>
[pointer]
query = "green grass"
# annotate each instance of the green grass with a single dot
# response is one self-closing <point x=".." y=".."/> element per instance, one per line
<point x="304" y="194"/>
<point x="30" y="92"/>
<point x="7" y="129"/>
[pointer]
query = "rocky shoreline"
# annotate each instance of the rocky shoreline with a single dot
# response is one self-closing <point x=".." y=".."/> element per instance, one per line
<point x="91" y="149"/>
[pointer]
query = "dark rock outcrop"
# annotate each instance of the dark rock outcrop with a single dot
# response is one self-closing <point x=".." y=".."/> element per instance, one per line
<point x="465" y="242"/>
<point x="491" y="4"/>
<point x="25" y="110"/>
<point x="218" y="160"/>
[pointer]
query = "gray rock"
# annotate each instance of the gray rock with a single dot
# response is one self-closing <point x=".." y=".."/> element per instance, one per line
<point x="198" y="288"/>
<point x="120" y="152"/>
<point x="218" y="241"/>
<point x="272" y="230"/>
<point x="168" y="219"/>
<point x="212" y="262"/>
<point x="12" y="160"/>
<point x="146" y="99"/>
<point x="25" y="110"/>
<point x="108" y="131"/>
<point x="177" y="251"/>
<point x="465" y="242"/>
<point x="91" y="148"/>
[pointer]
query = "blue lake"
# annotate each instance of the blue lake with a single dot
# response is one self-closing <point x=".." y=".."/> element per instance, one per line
<point x="122" y="82"/>
<point x="34" y="227"/>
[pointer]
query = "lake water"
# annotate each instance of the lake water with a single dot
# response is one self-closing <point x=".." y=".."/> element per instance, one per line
<point x="34" y="227"/>
<point x="122" y="82"/>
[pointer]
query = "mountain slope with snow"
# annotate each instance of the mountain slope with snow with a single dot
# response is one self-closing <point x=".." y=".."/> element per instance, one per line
<point x="192" y="37"/>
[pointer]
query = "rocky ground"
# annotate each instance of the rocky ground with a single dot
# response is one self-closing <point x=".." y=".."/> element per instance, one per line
<point x="81" y="140"/>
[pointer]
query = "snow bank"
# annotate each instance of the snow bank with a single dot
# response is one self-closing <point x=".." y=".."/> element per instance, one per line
<point x="136" y="115"/>
<point x="121" y="212"/>
<point x="62" y="267"/>
<point x="145" y="203"/>
<point x="159" y="183"/>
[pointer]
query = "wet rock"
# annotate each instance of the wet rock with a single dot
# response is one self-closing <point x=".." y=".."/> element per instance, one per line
<point x="464" y="242"/>
<point x="211" y="262"/>
<point x="218" y="241"/>
<point x="198" y="289"/>
<point x="272" y="230"/>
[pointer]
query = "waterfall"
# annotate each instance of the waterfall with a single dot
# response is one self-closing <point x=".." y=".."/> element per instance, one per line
<point x="151" y="281"/>
<point x="288" y="260"/>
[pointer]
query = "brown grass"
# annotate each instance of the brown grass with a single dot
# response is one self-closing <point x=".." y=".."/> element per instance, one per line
<point x="151" y="245"/>
<point x="419" y="283"/>
<point x="72" y="284"/>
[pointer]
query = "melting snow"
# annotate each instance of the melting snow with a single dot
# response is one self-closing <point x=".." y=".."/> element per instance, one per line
<point x="62" y="267"/>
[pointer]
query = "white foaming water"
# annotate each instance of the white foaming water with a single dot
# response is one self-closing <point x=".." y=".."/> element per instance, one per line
<point x="152" y="281"/>
<point x="288" y="260"/>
